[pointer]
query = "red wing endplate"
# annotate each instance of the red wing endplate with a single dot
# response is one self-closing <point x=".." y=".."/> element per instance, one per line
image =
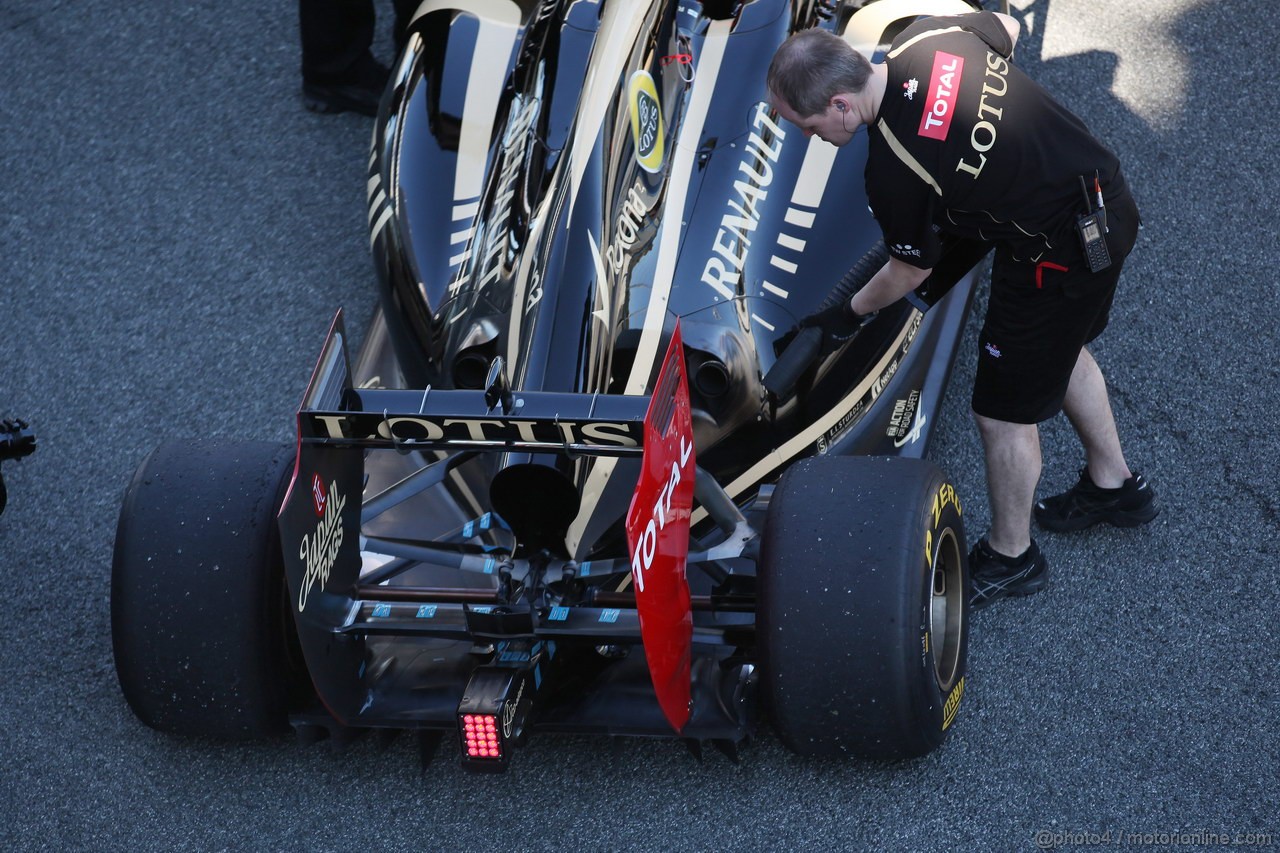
<point x="658" y="536"/>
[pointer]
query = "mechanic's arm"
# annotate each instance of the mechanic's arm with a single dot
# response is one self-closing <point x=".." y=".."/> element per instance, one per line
<point x="1011" y="25"/>
<point x="894" y="280"/>
<point x="992" y="27"/>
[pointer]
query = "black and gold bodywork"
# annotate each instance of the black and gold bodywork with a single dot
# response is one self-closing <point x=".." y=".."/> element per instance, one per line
<point x="558" y="190"/>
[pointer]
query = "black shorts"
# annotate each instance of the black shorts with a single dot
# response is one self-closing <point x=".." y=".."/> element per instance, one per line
<point x="1040" y="315"/>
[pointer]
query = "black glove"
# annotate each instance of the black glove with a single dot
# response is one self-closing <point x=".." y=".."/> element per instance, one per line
<point x="839" y="324"/>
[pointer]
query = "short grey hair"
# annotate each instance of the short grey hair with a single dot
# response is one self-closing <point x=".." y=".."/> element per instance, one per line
<point x="812" y="67"/>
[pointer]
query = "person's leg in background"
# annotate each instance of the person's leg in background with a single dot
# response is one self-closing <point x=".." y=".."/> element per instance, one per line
<point x="339" y="72"/>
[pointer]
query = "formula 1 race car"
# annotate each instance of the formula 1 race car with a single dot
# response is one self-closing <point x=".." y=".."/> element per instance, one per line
<point x="585" y="473"/>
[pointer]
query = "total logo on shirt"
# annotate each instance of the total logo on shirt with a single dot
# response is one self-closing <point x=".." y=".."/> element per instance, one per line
<point x="905" y="249"/>
<point x="940" y="97"/>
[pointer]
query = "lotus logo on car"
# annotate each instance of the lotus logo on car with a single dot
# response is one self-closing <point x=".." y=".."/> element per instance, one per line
<point x="318" y="495"/>
<point x="646" y="121"/>
<point x="379" y="426"/>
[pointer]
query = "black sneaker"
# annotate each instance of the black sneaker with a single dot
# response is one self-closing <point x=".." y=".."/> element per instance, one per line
<point x="358" y="90"/>
<point x="993" y="576"/>
<point x="1085" y="504"/>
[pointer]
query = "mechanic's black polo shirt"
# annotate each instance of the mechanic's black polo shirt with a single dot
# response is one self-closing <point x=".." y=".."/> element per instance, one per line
<point x="967" y="141"/>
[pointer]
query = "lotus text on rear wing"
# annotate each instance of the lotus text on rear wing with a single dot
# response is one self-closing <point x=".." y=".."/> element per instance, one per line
<point x="367" y="428"/>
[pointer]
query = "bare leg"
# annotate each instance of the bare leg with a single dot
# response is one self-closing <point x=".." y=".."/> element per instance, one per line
<point x="1013" y="470"/>
<point x="1087" y="407"/>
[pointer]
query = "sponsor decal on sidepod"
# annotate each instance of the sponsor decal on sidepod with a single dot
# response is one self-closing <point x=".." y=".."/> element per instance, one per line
<point x="646" y="121"/>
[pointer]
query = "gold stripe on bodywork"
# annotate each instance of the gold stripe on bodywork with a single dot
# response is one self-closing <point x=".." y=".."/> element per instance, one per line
<point x="683" y="162"/>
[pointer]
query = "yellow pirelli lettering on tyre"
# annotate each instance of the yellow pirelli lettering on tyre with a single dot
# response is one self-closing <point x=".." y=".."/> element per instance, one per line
<point x="952" y="704"/>
<point x="946" y="495"/>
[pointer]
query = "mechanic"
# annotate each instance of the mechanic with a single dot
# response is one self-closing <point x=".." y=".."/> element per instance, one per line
<point x="961" y="140"/>
<point x="339" y="72"/>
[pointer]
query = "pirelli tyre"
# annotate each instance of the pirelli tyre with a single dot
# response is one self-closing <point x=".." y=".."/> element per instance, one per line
<point x="200" y="625"/>
<point x="863" y="611"/>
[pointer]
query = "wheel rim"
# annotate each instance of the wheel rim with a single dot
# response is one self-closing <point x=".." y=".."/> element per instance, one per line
<point x="946" y="609"/>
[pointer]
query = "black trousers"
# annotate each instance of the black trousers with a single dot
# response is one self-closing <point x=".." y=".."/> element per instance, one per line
<point x="1039" y="316"/>
<point x="336" y="35"/>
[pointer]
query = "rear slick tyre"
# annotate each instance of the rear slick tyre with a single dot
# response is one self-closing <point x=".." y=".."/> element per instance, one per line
<point x="199" y="616"/>
<point x="864" y="607"/>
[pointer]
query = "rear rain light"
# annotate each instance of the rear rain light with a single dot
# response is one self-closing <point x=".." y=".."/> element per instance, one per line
<point x="492" y="714"/>
<point x="481" y="736"/>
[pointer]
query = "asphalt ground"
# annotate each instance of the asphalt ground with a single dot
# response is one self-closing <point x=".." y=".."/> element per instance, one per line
<point x="175" y="233"/>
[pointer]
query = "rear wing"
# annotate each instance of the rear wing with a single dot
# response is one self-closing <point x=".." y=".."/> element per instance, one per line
<point x="337" y="606"/>
<point x="333" y="413"/>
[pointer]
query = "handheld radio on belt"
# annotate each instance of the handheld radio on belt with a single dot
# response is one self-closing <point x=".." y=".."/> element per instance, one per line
<point x="1092" y="228"/>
